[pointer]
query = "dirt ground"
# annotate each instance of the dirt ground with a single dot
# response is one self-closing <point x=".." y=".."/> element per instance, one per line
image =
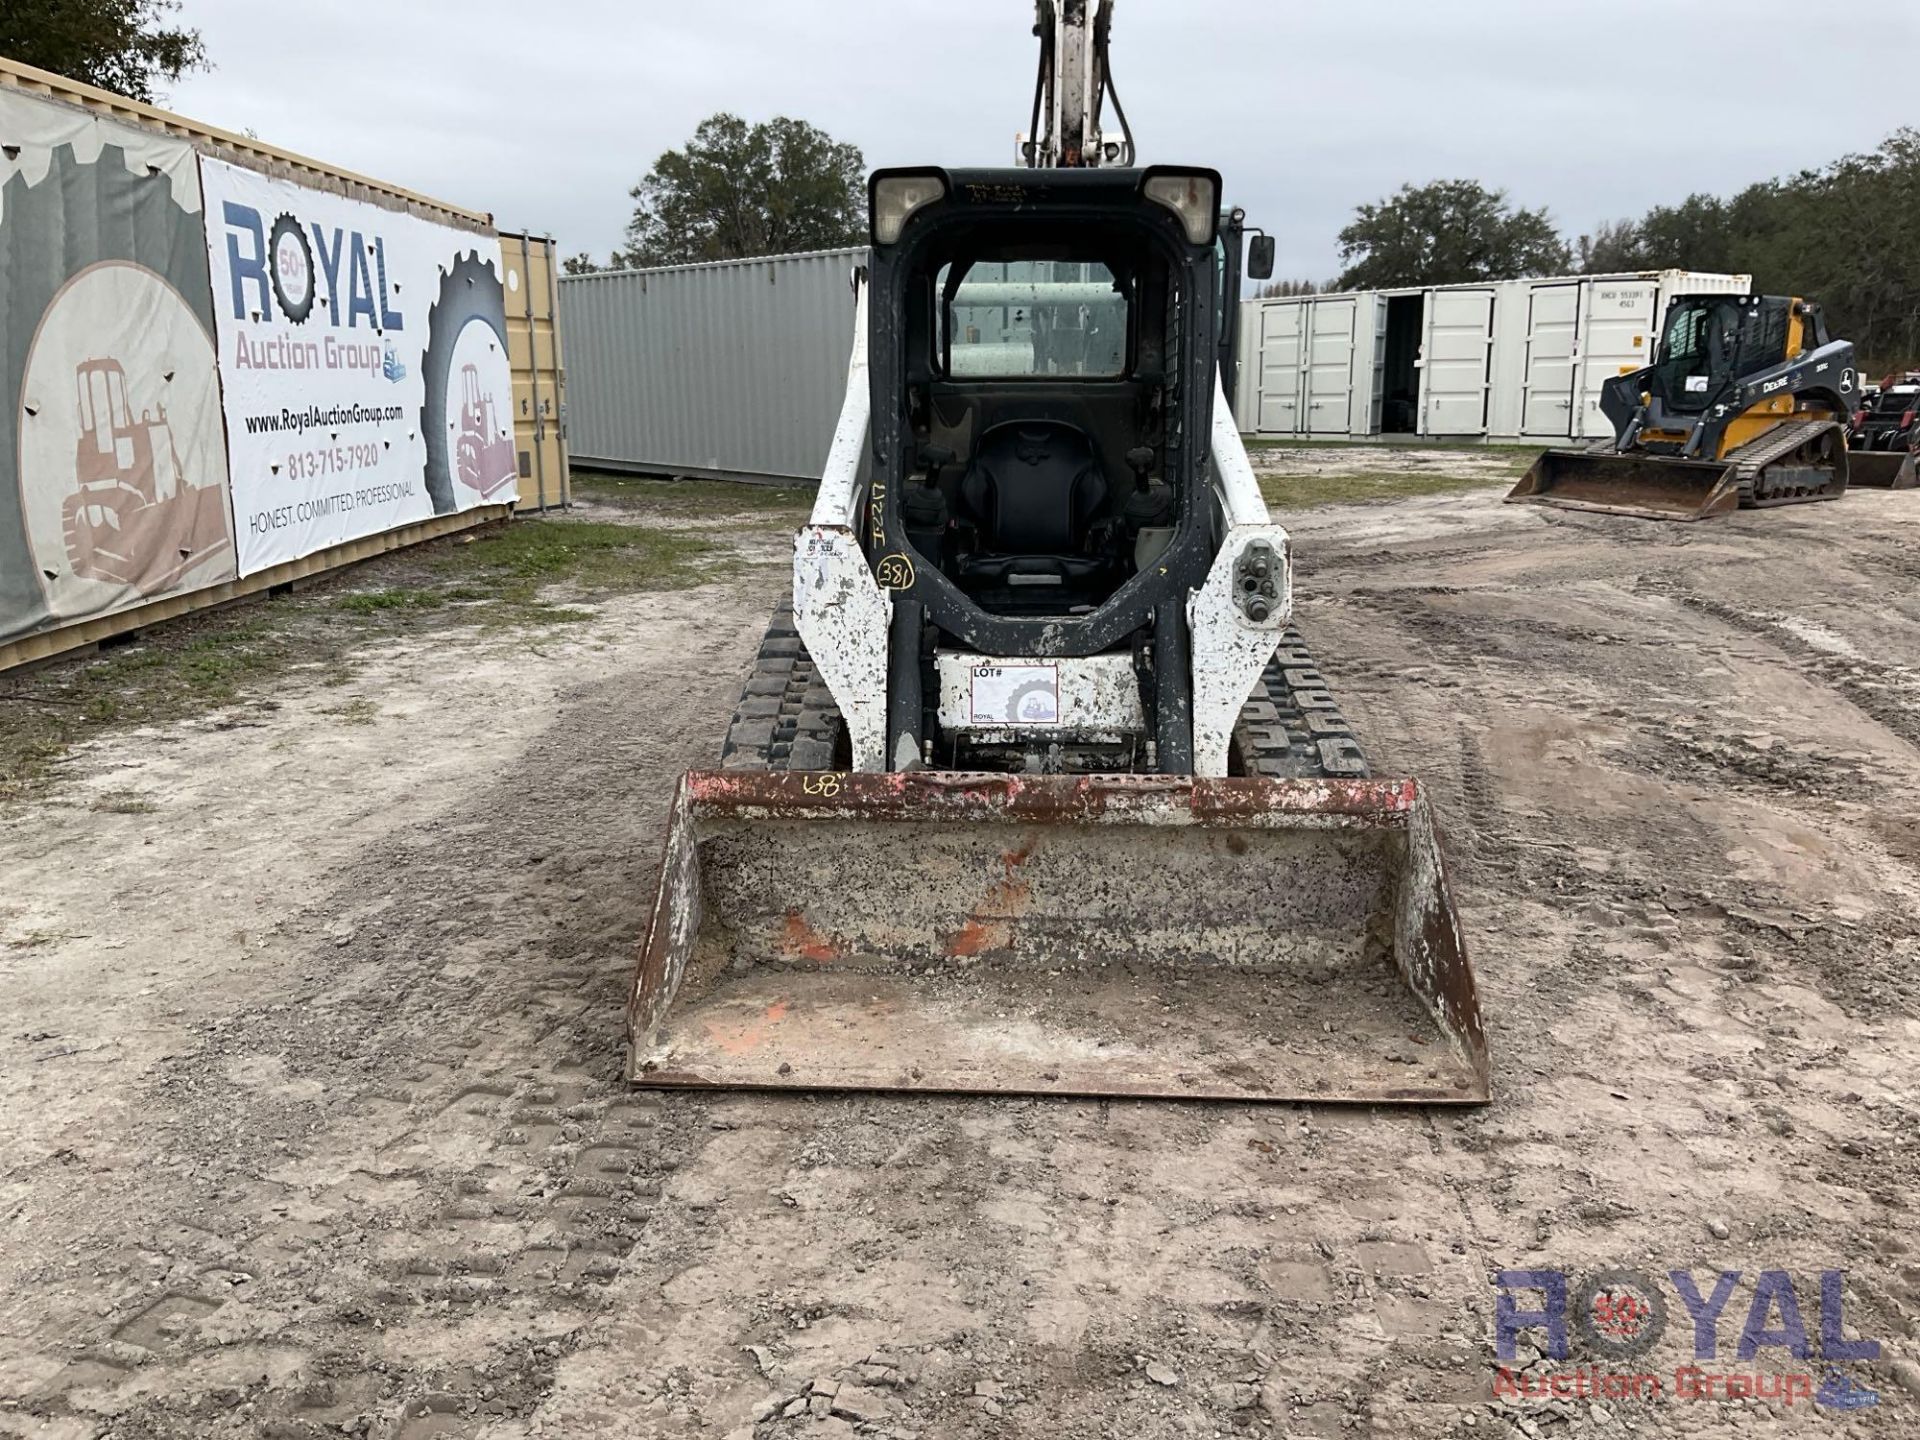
<point x="311" y="1121"/>
<point x="1294" y="459"/>
<point x="1295" y="474"/>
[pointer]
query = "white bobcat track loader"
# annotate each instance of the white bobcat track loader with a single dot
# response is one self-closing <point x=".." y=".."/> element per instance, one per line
<point x="1034" y="789"/>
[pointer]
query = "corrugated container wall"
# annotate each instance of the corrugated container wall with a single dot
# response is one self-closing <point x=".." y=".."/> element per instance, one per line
<point x="1507" y="360"/>
<point x="734" y="369"/>
<point x="529" y="275"/>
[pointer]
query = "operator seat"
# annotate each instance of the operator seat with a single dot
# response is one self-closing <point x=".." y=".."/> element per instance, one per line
<point x="1033" y="490"/>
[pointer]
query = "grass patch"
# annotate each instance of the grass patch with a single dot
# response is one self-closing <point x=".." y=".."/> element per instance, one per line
<point x="398" y="597"/>
<point x="36" y="939"/>
<point x="361" y="711"/>
<point x="690" y="497"/>
<point x="524" y="576"/>
<point x="122" y="802"/>
<point x="187" y="669"/>
<point x="1299" y="492"/>
<point x="1388" y="442"/>
<point x="511" y="563"/>
<point x="541" y="614"/>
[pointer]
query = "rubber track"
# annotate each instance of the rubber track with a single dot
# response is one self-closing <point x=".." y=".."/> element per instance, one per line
<point x="786" y="718"/>
<point x="1290" y="727"/>
<point x="1753" y="458"/>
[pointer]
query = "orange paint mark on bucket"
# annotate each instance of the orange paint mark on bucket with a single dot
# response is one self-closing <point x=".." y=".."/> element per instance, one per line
<point x="976" y="937"/>
<point x="1005" y="900"/>
<point x="743" y="1039"/>
<point x="802" y="942"/>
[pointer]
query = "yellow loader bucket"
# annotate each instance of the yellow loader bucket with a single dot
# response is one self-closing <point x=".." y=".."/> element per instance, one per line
<point x="1882" y="469"/>
<point x="1237" y="939"/>
<point x="1651" y="486"/>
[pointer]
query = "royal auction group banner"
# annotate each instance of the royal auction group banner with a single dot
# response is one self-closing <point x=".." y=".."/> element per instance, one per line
<point x="363" y="365"/>
<point x="207" y="372"/>
<point x="110" y="418"/>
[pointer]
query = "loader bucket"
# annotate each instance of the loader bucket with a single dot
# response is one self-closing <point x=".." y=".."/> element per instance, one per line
<point x="1651" y="486"/>
<point x="1882" y="469"/>
<point x="1236" y="939"/>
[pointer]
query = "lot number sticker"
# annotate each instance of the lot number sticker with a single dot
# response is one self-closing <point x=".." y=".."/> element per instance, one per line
<point x="1016" y="694"/>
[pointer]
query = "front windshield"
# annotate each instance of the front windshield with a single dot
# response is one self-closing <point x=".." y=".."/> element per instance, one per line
<point x="1687" y="331"/>
<point x="1028" y="318"/>
<point x="1686" y="353"/>
<point x="1714" y="342"/>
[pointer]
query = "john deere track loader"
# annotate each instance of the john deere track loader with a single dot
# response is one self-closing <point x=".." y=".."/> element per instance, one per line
<point x="1032" y="788"/>
<point x="1745" y="405"/>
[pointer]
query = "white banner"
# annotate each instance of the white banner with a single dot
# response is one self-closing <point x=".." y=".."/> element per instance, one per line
<point x="363" y="365"/>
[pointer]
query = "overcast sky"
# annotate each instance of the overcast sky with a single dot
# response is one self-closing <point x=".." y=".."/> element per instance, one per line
<point x="546" y="114"/>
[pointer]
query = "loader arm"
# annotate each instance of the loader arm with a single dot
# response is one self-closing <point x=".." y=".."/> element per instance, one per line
<point x="1620" y="403"/>
<point x="840" y="610"/>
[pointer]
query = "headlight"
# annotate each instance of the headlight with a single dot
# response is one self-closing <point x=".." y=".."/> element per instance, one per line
<point x="895" y="197"/>
<point x="1193" y="195"/>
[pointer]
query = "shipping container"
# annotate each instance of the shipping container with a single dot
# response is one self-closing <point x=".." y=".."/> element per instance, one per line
<point x="733" y="370"/>
<point x="530" y="273"/>
<point x="1513" y="360"/>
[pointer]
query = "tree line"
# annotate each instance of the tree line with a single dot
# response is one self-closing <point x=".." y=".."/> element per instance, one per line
<point x="1846" y="234"/>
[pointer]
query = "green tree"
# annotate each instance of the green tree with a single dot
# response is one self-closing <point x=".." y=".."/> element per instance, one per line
<point x="1696" y="234"/>
<point x="1846" y="235"/>
<point x="1445" y="232"/>
<point x="126" y="46"/>
<point x="1275" y="288"/>
<point x="585" y="264"/>
<point x="1614" y="246"/>
<point x="739" y="189"/>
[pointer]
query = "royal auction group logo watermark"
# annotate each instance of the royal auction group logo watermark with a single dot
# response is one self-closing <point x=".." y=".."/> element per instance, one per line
<point x="1616" y="1318"/>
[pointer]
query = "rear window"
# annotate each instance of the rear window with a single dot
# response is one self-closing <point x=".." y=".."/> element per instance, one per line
<point x="1031" y="318"/>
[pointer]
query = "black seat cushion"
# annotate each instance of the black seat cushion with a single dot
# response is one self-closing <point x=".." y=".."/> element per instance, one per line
<point x="1034" y="488"/>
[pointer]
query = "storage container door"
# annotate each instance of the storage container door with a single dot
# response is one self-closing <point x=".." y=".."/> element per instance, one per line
<point x="1622" y="316"/>
<point x="1245" y="398"/>
<point x="1280" y="357"/>
<point x="533" y="353"/>
<point x="1553" y="348"/>
<point x="1377" y="368"/>
<point x="1453" y="375"/>
<point x="1330" y="366"/>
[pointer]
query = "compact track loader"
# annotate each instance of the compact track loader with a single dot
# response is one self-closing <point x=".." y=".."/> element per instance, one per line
<point x="1032" y="788"/>
<point x="1883" y="441"/>
<point x="1745" y="405"/>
